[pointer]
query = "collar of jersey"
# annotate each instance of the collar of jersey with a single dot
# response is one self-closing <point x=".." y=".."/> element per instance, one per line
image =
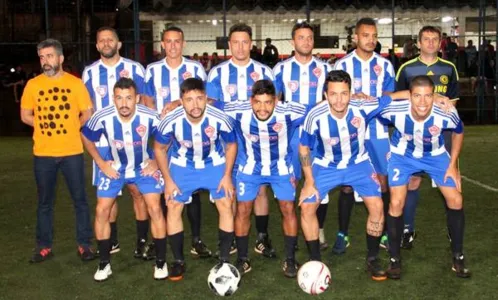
<point x="428" y="65"/>
<point x="241" y="67"/>
<point x="361" y="59"/>
<point x="306" y="64"/>
<point x="170" y="68"/>
<point x="115" y="65"/>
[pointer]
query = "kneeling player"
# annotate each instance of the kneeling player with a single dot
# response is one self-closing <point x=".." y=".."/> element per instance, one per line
<point x="196" y="161"/>
<point x="127" y="127"/>
<point x="417" y="145"/>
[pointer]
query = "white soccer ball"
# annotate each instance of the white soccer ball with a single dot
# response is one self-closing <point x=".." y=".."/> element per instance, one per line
<point x="224" y="279"/>
<point x="314" y="277"/>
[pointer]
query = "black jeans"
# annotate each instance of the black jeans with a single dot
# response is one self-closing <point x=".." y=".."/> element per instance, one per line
<point x="72" y="168"/>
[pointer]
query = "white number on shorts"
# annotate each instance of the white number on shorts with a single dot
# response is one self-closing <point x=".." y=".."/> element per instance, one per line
<point x="396" y="175"/>
<point x="104" y="184"/>
<point x="242" y="188"/>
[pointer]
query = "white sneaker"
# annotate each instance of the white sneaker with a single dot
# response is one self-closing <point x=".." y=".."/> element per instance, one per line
<point x="103" y="272"/>
<point x="161" y="273"/>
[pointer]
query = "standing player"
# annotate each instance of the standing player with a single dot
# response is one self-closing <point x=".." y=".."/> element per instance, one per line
<point x="445" y="77"/>
<point x="417" y="145"/>
<point x="371" y="75"/>
<point x="99" y="79"/>
<point x="265" y="127"/>
<point x="162" y="86"/>
<point x="127" y="128"/>
<point x="301" y="79"/>
<point x="233" y="80"/>
<point x="198" y="160"/>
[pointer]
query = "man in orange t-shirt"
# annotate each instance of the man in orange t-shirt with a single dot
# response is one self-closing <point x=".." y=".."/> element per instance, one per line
<point x="56" y="104"/>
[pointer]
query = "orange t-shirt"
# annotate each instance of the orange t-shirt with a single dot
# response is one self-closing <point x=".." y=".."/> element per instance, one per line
<point x="56" y="103"/>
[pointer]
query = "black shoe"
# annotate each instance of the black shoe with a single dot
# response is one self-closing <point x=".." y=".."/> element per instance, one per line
<point x="150" y="252"/>
<point x="199" y="249"/>
<point x="86" y="253"/>
<point x="394" y="270"/>
<point x="244" y="266"/>
<point x="177" y="270"/>
<point x="407" y="240"/>
<point x="375" y="269"/>
<point x="459" y="267"/>
<point x="290" y="267"/>
<point x="140" y="250"/>
<point x="263" y="246"/>
<point x="41" y="254"/>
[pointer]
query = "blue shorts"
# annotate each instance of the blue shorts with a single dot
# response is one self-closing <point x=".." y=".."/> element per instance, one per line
<point x="104" y="153"/>
<point x="402" y="167"/>
<point x="188" y="180"/>
<point x="378" y="151"/>
<point x="361" y="177"/>
<point x="110" y="188"/>
<point x="283" y="186"/>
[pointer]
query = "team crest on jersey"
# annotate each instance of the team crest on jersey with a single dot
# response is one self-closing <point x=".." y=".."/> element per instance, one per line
<point x="293" y="85"/>
<point x="254" y="76"/>
<point x="210" y="131"/>
<point x="317" y="72"/>
<point x="101" y="90"/>
<point x="141" y="130"/>
<point x="277" y="127"/>
<point x="231" y="89"/>
<point x="356" y="122"/>
<point x="357" y="83"/>
<point x="377" y="69"/>
<point x="443" y="79"/>
<point x="124" y="74"/>
<point x="408" y="137"/>
<point x="434" y="130"/>
<point x="186" y="75"/>
<point x="333" y="141"/>
<point x="254" y="138"/>
<point x="163" y="92"/>
<point x="186" y="144"/>
<point x="375" y="178"/>
<point x="118" y="144"/>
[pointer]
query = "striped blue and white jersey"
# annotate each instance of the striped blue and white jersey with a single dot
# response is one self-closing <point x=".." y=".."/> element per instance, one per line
<point x="372" y="77"/>
<point x="196" y="145"/>
<point x="128" y="141"/>
<point x="229" y="82"/>
<point x="162" y="83"/>
<point x="264" y="146"/>
<point x="419" y="138"/>
<point x="340" y="142"/>
<point x="301" y="83"/>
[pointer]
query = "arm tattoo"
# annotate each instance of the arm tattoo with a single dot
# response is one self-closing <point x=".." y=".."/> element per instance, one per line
<point x="305" y="160"/>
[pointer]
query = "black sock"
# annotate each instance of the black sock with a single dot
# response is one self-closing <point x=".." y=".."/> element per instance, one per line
<point x="225" y="239"/>
<point x="114" y="233"/>
<point x="373" y="246"/>
<point x="194" y="216"/>
<point x="456" y="224"/>
<point x="160" y="249"/>
<point x="386" y="199"/>
<point x="242" y="246"/>
<point x="321" y="213"/>
<point x="142" y="229"/>
<point x="262" y="224"/>
<point x="104" y="250"/>
<point x="163" y="205"/>
<point x="394" y="231"/>
<point x="314" y="250"/>
<point x="346" y="203"/>
<point x="290" y="246"/>
<point x="176" y="243"/>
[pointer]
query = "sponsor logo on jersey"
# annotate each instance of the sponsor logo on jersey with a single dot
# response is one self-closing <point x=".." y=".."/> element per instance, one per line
<point x="141" y="130"/>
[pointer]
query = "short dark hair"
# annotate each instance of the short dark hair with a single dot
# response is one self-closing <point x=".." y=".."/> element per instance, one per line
<point x="125" y="83"/>
<point x="192" y="84"/>
<point x="172" y="28"/>
<point x="421" y="80"/>
<point x="428" y="28"/>
<point x="300" y="25"/>
<point x="365" y="21"/>
<point x="108" y="28"/>
<point x="50" y="43"/>
<point x="337" y="76"/>
<point x="240" y="27"/>
<point x="262" y="87"/>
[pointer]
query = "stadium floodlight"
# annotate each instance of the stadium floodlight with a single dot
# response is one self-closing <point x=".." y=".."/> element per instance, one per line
<point x="215" y="22"/>
<point x="447" y="19"/>
<point x="384" y="21"/>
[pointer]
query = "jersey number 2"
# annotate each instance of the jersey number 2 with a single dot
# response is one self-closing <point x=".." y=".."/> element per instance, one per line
<point x="396" y="174"/>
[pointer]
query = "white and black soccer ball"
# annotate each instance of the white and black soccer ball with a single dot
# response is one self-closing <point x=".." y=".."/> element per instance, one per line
<point x="224" y="279"/>
<point x="313" y="277"/>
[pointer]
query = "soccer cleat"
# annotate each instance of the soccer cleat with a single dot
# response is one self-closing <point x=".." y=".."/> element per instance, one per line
<point x="407" y="239"/>
<point x="290" y="267"/>
<point x="394" y="270"/>
<point x="41" y="254"/>
<point x="177" y="270"/>
<point x="384" y="242"/>
<point x="243" y="265"/>
<point x="140" y="250"/>
<point x="263" y="246"/>
<point x="199" y="249"/>
<point x="459" y="267"/>
<point x="86" y="253"/>
<point x="160" y="270"/>
<point x="115" y="248"/>
<point x="150" y="252"/>
<point x="375" y="269"/>
<point x="341" y="243"/>
<point x="103" y="272"/>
